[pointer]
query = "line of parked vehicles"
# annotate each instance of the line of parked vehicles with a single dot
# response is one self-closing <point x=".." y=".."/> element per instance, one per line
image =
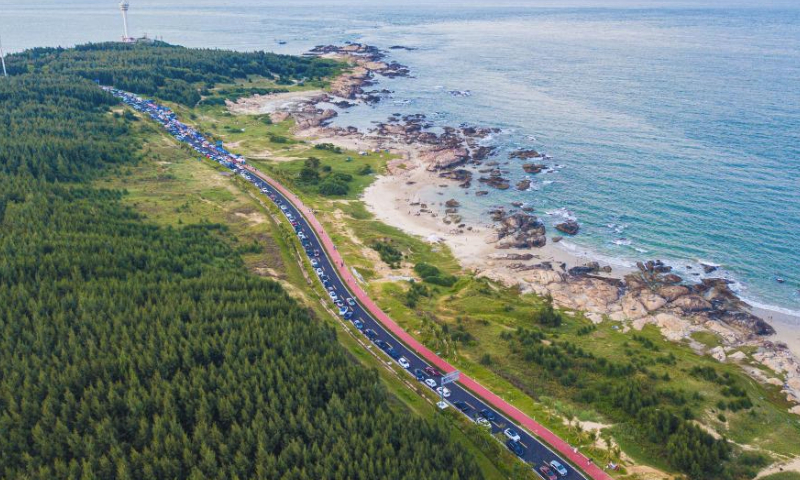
<point x="345" y="304"/>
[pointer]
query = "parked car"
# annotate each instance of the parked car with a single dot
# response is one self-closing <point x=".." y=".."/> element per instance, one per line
<point x="419" y="375"/>
<point x="348" y="315"/>
<point x="512" y="434"/>
<point x="314" y="262"/>
<point x="332" y="294"/>
<point x="561" y="469"/>
<point x="342" y="311"/>
<point x="431" y="371"/>
<point x="547" y="473"/>
<point x="319" y="271"/>
<point x="443" y="391"/>
<point x="358" y="324"/>
<point x="351" y="302"/>
<point x="382" y="345"/>
<point x="371" y="334"/>
<point x="393" y="353"/>
<point x="462" y="406"/>
<point x="488" y="414"/>
<point x="430" y="382"/>
<point x="403" y="362"/>
<point x="515" y="447"/>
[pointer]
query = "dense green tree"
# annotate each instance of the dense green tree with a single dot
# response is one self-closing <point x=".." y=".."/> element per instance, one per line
<point x="167" y="71"/>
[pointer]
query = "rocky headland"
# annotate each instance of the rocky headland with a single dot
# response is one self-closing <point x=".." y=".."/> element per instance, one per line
<point x="649" y="293"/>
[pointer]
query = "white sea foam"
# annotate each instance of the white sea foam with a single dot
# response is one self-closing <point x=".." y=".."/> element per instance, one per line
<point x="562" y="212"/>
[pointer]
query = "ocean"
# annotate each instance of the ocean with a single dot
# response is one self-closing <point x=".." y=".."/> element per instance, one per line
<point x="673" y="127"/>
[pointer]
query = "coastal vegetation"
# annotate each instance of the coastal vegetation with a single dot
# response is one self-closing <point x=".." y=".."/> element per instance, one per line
<point x="141" y="348"/>
<point x="672" y="416"/>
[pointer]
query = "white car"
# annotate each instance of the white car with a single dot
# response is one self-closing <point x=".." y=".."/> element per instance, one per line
<point x="482" y="422"/>
<point x="320" y="271"/>
<point x="351" y="302"/>
<point x="344" y="310"/>
<point x="314" y="262"/>
<point x="512" y="434"/>
<point x="558" y="468"/>
<point x="403" y="362"/>
<point x="430" y="382"/>
<point x="443" y="391"/>
<point x="333" y="294"/>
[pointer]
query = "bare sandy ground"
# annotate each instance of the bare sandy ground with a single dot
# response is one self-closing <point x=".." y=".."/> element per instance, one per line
<point x="274" y="102"/>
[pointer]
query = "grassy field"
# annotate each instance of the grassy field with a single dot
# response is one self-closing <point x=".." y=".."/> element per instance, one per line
<point x="468" y="322"/>
<point x="172" y="187"/>
<point x="783" y="476"/>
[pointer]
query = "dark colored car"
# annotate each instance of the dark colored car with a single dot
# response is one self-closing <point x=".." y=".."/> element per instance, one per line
<point x="462" y="406"/>
<point x="419" y="375"/>
<point x="393" y="353"/>
<point x="348" y="315"/>
<point x="488" y="414"/>
<point x="431" y="371"/>
<point x="371" y="334"/>
<point x="316" y="253"/>
<point x="382" y="345"/>
<point x="547" y="473"/>
<point x="515" y="447"/>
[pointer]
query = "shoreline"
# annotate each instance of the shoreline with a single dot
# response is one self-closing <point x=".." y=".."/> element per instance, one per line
<point x="513" y="246"/>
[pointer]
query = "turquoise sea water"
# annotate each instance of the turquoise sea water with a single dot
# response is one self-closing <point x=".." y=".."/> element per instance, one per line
<point x="675" y="127"/>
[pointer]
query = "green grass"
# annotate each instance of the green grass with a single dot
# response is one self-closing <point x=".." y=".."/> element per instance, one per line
<point x="783" y="476"/>
<point x="708" y="339"/>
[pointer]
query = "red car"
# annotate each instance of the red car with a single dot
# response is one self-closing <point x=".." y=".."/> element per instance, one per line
<point x="431" y="371"/>
<point x="547" y="473"/>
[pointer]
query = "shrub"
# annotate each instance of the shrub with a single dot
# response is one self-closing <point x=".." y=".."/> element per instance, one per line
<point x="431" y="274"/>
<point x="331" y="187"/>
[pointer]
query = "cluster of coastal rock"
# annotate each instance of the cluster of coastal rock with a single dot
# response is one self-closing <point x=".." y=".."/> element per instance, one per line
<point x="652" y="294"/>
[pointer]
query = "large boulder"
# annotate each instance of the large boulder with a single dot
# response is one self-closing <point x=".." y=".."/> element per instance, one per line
<point x="533" y="168"/>
<point x="570" y="227"/>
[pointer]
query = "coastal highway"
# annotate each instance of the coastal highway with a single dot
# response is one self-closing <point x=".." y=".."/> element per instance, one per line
<point x="356" y="306"/>
<point x="534" y="451"/>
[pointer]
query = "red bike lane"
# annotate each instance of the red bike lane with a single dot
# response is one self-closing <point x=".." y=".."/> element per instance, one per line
<point x="549" y="438"/>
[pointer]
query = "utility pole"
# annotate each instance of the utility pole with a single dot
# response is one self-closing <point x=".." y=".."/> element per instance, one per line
<point x="3" y="59"/>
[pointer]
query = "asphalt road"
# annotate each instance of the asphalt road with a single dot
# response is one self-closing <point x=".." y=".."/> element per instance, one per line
<point x="533" y="451"/>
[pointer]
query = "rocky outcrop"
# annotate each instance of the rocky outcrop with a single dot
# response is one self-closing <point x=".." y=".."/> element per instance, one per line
<point x="463" y="177"/>
<point x="518" y="230"/>
<point x="570" y="227"/>
<point x="533" y="167"/>
<point x="523" y="184"/>
<point x="444" y="157"/>
<point x="497" y="182"/>
<point x="525" y="154"/>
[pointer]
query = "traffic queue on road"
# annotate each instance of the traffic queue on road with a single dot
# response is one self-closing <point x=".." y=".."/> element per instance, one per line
<point x="522" y="444"/>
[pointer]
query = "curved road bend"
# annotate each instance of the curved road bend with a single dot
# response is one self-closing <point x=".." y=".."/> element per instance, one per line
<point x="384" y="332"/>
